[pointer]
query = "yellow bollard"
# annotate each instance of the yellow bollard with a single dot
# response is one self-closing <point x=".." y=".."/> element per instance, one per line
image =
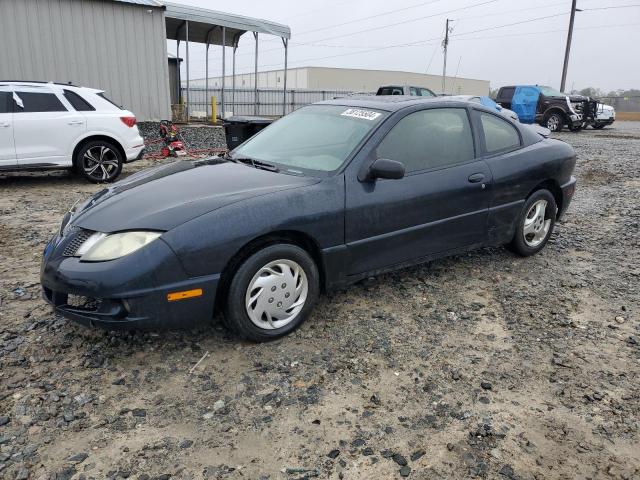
<point x="214" y="110"/>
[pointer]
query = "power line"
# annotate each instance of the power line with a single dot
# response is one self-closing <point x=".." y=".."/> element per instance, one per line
<point x="413" y="43"/>
<point x="404" y="22"/>
<point x="396" y="10"/>
<point x="436" y="43"/>
<point x="310" y="43"/>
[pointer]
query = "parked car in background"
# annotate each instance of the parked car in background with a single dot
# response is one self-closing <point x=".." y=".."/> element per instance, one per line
<point x="605" y="115"/>
<point x="327" y="195"/>
<point x="548" y="107"/>
<point x="405" y="90"/>
<point x="488" y="102"/>
<point x="53" y="126"/>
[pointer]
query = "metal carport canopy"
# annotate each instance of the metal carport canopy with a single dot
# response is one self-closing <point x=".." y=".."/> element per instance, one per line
<point x="193" y="24"/>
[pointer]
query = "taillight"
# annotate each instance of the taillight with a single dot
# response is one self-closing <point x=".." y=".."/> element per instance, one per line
<point x="129" y="121"/>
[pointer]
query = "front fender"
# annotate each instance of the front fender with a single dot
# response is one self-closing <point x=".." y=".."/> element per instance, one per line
<point x="207" y="243"/>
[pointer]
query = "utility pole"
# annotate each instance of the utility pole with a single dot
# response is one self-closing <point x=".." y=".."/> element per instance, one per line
<point x="568" y="48"/>
<point x="445" y="44"/>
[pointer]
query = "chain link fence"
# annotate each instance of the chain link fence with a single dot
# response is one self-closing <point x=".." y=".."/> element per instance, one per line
<point x="244" y="102"/>
<point x="623" y="104"/>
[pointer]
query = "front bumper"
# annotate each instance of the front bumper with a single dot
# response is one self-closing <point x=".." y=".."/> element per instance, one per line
<point x="568" y="189"/>
<point x="127" y="293"/>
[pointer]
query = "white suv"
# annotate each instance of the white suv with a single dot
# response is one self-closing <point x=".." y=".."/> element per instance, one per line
<point x="47" y="125"/>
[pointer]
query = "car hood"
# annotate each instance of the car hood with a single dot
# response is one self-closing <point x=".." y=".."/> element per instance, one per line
<point x="165" y="197"/>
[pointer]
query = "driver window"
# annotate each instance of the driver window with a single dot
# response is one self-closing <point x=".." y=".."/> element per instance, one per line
<point x="428" y="139"/>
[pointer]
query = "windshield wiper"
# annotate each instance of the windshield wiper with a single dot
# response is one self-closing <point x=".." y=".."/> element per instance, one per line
<point x="253" y="162"/>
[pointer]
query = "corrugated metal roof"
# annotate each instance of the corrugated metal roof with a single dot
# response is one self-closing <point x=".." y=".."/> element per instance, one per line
<point x="146" y="3"/>
<point x="239" y="23"/>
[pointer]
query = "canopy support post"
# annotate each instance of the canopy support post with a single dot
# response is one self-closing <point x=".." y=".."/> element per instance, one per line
<point x="206" y="76"/>
<point x="285" y="41"/>
<point x="224" y="73"/>
<point x="233" y="79"/>
<point x="187" y="43"/>
<point x="179" y="83"/>
<point x="255" y="78"/>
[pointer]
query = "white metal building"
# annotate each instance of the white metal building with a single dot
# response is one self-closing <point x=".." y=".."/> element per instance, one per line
<point x="119" y="46"/>
<point x="352" y="79"/>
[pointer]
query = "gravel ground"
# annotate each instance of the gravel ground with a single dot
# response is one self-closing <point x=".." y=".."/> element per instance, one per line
<point x="480" y="365"/>
<point x="196" y="137"/>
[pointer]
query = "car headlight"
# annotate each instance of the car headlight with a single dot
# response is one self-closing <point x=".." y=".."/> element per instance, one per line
<point x="101" y="247"/>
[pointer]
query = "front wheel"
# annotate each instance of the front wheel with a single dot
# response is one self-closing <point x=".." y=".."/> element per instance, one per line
<point x="99" y="161"/>
<point x="599" y="126"/>
<point x="272" y="293"/>
<point x="554" y="122"/>
<point x="535" y="224"/>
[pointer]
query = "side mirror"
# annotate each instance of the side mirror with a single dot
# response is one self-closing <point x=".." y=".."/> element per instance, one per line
<point x="384" y="168"/>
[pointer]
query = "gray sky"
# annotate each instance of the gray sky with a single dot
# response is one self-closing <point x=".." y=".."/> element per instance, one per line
<point x="484" y="44"/>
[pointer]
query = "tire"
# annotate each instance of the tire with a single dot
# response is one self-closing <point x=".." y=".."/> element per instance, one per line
<point x="554" y="121"/>
<point x="259" y="317"/>
<point x="575" y="129"/>
<point x="537" y="230"/>
<point x="99" y="161"/>
<point x="599" y="126"/>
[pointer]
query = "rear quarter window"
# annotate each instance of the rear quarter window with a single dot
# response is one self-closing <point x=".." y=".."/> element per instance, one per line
<point x="104" y="97"/>
<point x="77" y="102"/>
<point x="499" y="134"/>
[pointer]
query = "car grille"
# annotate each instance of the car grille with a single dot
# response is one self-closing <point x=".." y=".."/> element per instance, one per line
<point x="79" y="236"/>
<point x="83" y="303"/>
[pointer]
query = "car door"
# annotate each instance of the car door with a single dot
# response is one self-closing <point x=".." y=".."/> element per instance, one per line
<point x="7" y="146"/>
<point x="500" y="144"/>
<point x="46" y="128"/>
<point x="440" y="205"/>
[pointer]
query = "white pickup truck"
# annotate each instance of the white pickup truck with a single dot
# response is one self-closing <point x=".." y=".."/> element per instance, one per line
<point x="605" y="115"/>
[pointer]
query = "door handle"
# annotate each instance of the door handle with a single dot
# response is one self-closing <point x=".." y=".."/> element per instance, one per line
<point x="4" y="125"/>
<point x="76" y="122"/>
<point x="476" y="178"/>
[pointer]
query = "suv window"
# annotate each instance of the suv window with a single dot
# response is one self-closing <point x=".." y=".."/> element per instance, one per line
<point x="77" y="102"/>
<point x="429" y="139"/>
<point x="102" y="95"/>
<point x="425" y="92"/>
<point x="413" y="91"/>
<point x="5" y="105"/>
<point x="39" y="102"/>
<point x="499" y="135"/>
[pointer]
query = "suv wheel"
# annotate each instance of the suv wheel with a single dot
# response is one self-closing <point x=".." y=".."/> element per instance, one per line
<point x="272" y="293"/>
<point x="99" y="161"/>
<point x="554" y="121"/>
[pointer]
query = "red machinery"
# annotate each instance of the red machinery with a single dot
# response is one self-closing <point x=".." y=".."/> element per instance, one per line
<point x="173" y="141"/>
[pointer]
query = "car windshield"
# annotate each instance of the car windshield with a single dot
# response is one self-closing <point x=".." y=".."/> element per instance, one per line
<point x="551" y="92"/>
<point x="316" y="138"/>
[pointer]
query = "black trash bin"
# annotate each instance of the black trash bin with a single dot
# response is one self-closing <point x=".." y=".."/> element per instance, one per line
<point x="237" y="129"/>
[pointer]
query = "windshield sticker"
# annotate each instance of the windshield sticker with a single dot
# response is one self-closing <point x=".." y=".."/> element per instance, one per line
<point x="363" y="114"/>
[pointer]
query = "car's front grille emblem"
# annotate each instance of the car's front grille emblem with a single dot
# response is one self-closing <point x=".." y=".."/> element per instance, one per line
<point x="77" y="240"/>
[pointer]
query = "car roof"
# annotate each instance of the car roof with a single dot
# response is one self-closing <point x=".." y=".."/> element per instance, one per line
<point x="49" y="85"/>
<point x="392" y="103"/>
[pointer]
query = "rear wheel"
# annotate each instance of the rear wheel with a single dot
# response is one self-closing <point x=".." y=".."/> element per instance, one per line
<point x="272" y="293"/>
<point x="554" y="121"/>
<point x="536" y="222"/>
<point x="99" y="161"/>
